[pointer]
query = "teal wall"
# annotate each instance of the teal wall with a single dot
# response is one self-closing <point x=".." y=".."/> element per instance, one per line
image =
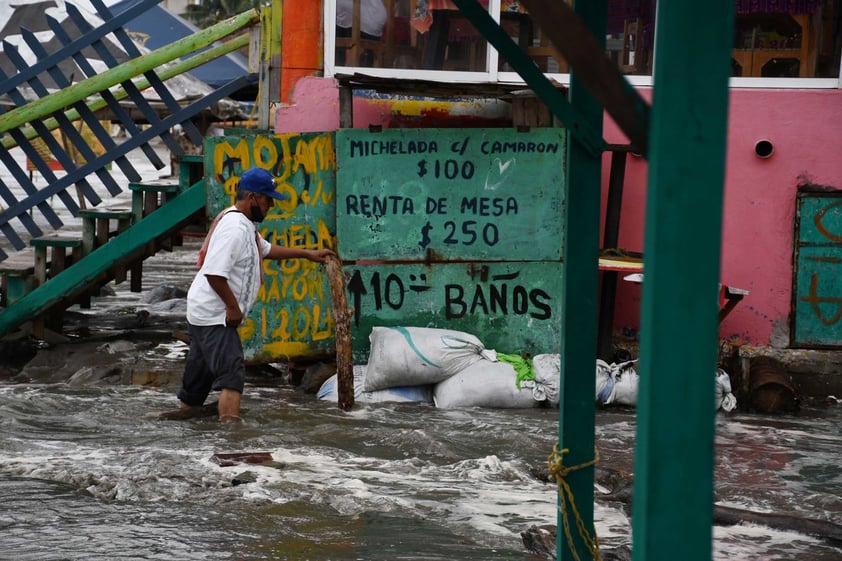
<point x="455" y="228"/>
<point x="817" y="286"/>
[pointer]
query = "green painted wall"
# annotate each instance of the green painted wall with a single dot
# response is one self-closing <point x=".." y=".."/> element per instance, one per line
<point x="817" y="297"/>
<point x="450" y="194"/>
<point x="454" y="228"/>
<point x="512" y="307"/>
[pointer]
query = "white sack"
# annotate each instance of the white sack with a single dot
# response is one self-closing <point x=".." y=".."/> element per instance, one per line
<point x="547" y="368"/>
<point x="330" y="391"/>
<point x="604" y="382"/>
<point x="617" y="383"/>
<point x="415" y="356"/>
<point x="484" y="384"/>
<point x="725" y="400"/>
<point x="626" y="382"/>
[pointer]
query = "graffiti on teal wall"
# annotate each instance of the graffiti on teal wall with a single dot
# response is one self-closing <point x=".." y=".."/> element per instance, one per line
<point x="292" y="317"/>
<point x="817" y="291"/>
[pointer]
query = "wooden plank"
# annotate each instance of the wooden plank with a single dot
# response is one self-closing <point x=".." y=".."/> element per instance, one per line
<point x="59" y="55"/>
<point x="141" y="138"/>
<point x="585" y="53"/>
<point x="124" y="72"/>
<point x="342" y="329"/>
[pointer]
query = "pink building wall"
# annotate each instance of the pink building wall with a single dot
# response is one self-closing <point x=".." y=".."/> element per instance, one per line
<point x="760" y="194"/>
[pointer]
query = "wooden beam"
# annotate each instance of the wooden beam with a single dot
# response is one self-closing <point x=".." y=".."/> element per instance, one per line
<point x="586" y="56"/>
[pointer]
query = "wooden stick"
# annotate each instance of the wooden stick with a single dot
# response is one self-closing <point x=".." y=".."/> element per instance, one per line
<point x="342" y="318"/>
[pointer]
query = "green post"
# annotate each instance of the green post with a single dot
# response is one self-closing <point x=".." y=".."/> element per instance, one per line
<point x="579" y="304"/>
<point x="673" y="487"/>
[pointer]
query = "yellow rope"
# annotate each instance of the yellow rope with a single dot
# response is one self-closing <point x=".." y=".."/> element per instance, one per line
<point x="555" y="463"/>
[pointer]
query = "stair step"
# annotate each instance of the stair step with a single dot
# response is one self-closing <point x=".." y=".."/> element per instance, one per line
<point x="57" y="260"/>
<point x="96" y="227"/>
<point x="109" y="213"/>
<point x="17" y="277"/>
<point x="156" y="186"/>
<point x="56" y="240"/>
<point x="148" y="196"/>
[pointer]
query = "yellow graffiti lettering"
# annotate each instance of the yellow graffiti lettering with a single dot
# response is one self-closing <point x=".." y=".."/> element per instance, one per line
<point x="297" y="324"/>
<point x="322" y="329"/>
<point x="304" y="157"/>
<point x="265" y="152"/>
<point x="247" y="329"/>
<point x="304" y="235"/>
<point x="300" y="322"/>
<point x="326" y="153"/>
<point x="282" y="331"/>
<point x="223" y="152"/>
<point x="315" y="155"/>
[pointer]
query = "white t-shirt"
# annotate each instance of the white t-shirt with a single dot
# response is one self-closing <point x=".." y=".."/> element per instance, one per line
<point x="233" y="254"/>
<point x="372" y="16"/>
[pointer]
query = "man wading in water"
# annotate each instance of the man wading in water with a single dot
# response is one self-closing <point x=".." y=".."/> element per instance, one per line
<point x="224" y="291"/>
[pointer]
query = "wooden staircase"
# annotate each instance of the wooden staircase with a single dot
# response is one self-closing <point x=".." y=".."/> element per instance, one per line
<point x="114" y="243"/>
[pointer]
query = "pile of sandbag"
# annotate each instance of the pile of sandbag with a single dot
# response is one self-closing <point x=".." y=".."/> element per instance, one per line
<point x="453" y="369"/>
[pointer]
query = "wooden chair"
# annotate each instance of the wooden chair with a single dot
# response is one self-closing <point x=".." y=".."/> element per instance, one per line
<point x="544" y="52"/>
<point x="354" y="46"/>
<point x="634" y="57"/>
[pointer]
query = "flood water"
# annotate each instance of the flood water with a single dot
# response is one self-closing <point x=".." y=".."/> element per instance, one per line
<point x="84" y="474"/>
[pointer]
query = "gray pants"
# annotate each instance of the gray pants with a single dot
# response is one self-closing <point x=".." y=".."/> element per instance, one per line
<point x="214" y="362"/>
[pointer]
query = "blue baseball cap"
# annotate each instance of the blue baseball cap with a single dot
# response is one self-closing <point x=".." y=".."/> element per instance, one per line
<point x="260" y="181"/>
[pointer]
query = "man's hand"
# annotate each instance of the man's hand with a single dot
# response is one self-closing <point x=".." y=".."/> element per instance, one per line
<point x="233" y="316"/>
<point x="320" y="255"/>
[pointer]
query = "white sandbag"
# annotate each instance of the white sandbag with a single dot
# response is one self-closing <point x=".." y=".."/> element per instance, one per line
<point x="725" y="400"/>
<point x="484" y="384"/>
<point x="415" y="356"/>
<point x="617" y="383"/>
<point x="547" y="368"/>
<point x="626" y="381"/>
<point x="604" y="383"/>
<point x="330" y="391"/>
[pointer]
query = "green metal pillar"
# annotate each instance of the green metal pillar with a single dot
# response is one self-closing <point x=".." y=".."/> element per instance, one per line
<point x="579" y="302"/>
<point x="673" y="493"/>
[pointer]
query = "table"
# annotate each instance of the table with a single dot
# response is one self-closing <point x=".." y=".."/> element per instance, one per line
<point x="729" y="296"/>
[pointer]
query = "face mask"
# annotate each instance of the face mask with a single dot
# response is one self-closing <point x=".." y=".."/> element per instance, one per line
<point x="257" y="215"/>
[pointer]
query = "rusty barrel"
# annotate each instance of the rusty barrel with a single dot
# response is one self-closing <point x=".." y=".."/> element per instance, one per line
<point x="770" y="387"/>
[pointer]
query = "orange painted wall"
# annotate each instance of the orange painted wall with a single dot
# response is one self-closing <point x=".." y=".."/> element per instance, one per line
<point x="301" y="43"/>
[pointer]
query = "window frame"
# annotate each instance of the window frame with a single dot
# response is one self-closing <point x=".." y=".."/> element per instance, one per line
<point x="493" y="75"/>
